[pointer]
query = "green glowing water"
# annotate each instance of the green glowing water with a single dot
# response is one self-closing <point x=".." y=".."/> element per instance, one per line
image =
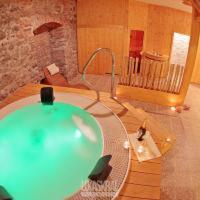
<point x="45" y="153"/>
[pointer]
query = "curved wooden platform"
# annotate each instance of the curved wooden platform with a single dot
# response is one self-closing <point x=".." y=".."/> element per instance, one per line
<point x="143" y="182"/>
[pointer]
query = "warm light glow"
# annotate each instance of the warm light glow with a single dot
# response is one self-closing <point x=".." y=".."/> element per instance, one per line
<point x="168" y="139"/>
<point x="173" y="108"/>
<point x="126" y="145"/>
<point x="140" y="149"/>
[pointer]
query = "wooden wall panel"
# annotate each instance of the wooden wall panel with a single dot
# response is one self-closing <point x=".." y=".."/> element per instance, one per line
<point x="192" y="54"/>
<point x="162" y="23"/>
<point x="196" y="72"/>
<point x="138" y="15"/>
<point x="159" y="31"/>
<point x="89" y="39"/>
<point x="93" y="13"/>
<point x="107" y="23"/>
<point x="101" y="23"/>
<point x="164" y="98"/>
<point x="159" y="23"/>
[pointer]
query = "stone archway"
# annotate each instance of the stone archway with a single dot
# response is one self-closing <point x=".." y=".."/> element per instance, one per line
<point x="50" y="44"/>
<point x="46" y="27"/>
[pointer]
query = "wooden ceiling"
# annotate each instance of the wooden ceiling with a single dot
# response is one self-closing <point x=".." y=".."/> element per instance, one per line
<point x="196" y="6"/>
<point x="187" y="2"/>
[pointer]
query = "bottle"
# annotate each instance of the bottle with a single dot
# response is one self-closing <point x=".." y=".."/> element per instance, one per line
<point x="142" y="131"/>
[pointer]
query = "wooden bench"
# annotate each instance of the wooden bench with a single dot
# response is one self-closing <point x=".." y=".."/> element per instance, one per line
<point x="59" y="80"/>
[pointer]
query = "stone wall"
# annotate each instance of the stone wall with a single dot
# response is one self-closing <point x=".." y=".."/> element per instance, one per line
<point x="58" y="41"/>
<point x="23" y="55"/>
<point x="42" y="44"/>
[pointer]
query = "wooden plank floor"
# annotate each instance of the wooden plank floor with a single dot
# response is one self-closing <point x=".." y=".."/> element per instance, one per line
<point x="143" y="181"/>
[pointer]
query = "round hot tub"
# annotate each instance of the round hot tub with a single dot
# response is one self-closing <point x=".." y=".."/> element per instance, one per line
<point x="50" y="147"/>
<point x="48" y="151"/>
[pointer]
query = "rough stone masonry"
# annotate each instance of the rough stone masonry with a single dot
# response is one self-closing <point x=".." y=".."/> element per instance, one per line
<point x="23" y="54"/>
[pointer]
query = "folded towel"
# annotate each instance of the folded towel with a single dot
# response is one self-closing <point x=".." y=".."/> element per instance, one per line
<point x="53" y="69"/>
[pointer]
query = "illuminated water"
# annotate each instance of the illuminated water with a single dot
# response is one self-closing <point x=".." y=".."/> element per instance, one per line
<point x="47" y="152"/>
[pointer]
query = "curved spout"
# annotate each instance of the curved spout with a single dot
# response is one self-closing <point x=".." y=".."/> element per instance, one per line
<point x="113" y="69"/>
